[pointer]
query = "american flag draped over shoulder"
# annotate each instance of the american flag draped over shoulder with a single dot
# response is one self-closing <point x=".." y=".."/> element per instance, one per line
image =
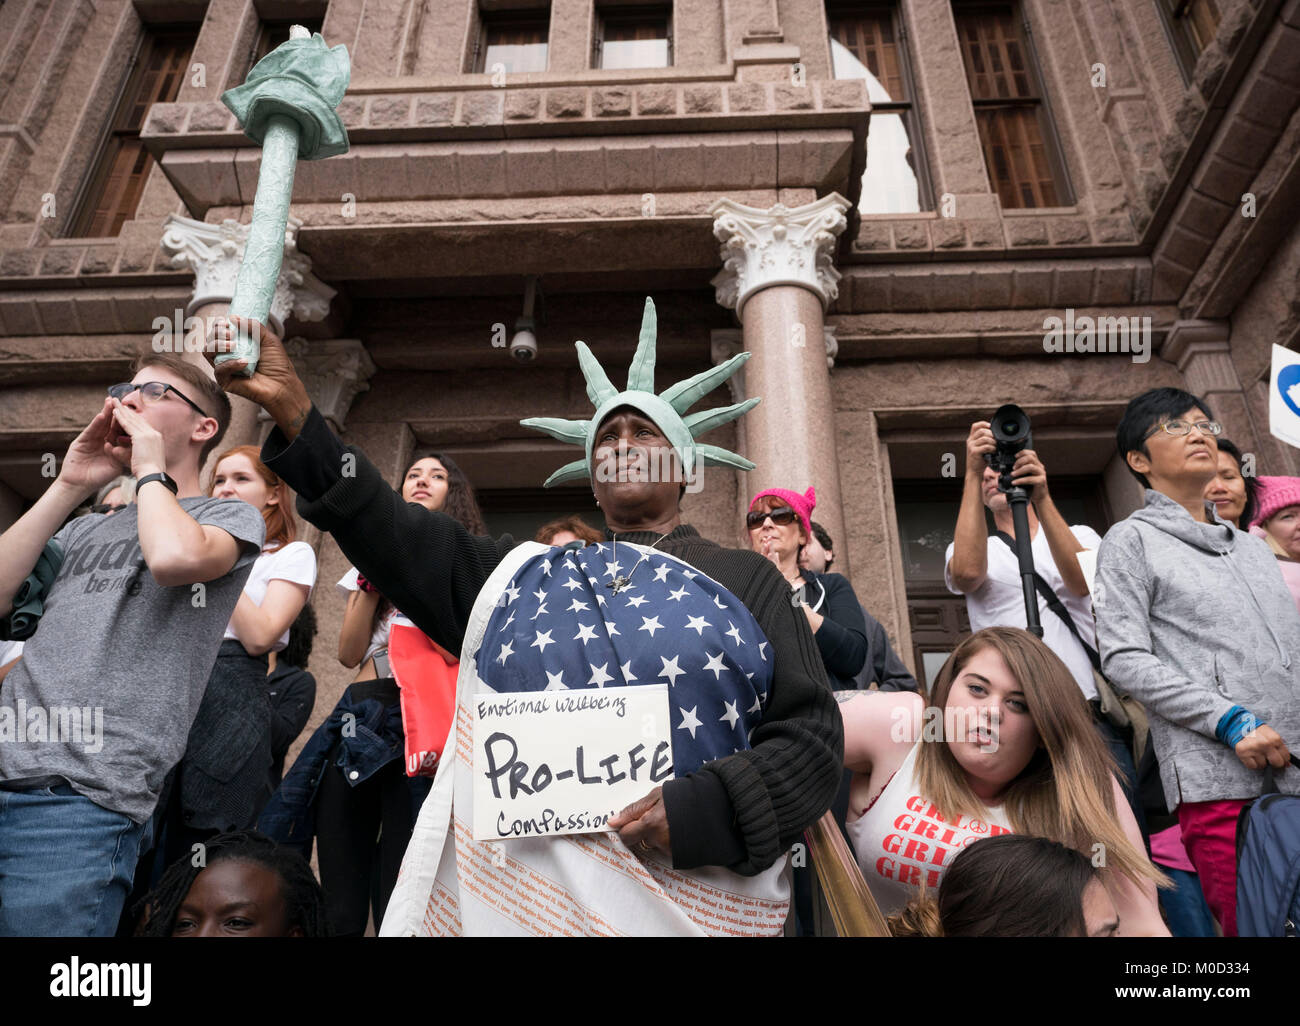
<point x="559" y="626"/>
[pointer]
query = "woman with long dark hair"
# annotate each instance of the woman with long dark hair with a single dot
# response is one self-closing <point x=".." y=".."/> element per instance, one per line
<point x="357" y="790"/>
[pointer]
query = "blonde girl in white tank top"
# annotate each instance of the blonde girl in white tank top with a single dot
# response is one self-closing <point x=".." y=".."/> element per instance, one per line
<point x="1006" y="745"/>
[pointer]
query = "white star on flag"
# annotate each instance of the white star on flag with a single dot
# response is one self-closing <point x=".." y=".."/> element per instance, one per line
<point x="540" y="595"/>
<point x="635" y="601"/>
<point x="540" y="610"/>
<point x="507" y="623"/>
<point x="546" y="567"/>
<point x="587" y="632"/>
<point x="689" y="722"/>
<point x="697" y="624"/>
<point x="555" y="682"/>
<point x="717" y="603"/>
<point x="506" y="652"/>
<point x="577" y="606"/>
<point x="689" y="575"/>
<point x="611" y="628"/>
<point x="735" y="633"/>
<point x="715" y="664"/>
<point x="628" y="675"/>
<point x="762" y="645"/>
<point x="730" y="715"/>
<point x="613" y="568"/>
<point x="661" y="574"/>
<point x="598" y="675"/>
<point x="542" y="640"/>
<point x="670" y="670"/>
<point x="599" y="598"/>
<point x="572" y="584"/>
<point x="650" y="624"/>
<point x="756" y="707"/>
<point x="512" y="591"/>
<point x="677" y="596"/>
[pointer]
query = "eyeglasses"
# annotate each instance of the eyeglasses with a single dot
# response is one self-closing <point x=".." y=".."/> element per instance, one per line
<point x="1178" y="428"/>
<point x="151" y="392"/>
<point x="781" y="517"/>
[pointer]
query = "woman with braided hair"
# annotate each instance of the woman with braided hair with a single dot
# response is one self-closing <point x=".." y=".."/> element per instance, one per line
<point x="246" y="886"/>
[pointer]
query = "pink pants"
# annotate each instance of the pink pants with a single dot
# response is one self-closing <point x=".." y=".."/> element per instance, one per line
<point x="1210" y="837"/>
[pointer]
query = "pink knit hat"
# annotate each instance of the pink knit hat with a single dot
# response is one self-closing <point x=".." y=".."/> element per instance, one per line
<point x="801" y="504"/>
<point x="1275" y="494"/>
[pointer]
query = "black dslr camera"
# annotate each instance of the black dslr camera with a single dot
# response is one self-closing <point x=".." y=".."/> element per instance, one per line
<point x="1011" y="434"/>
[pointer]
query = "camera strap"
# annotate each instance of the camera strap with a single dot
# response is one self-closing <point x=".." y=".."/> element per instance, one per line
<point x="1056" y="606"/>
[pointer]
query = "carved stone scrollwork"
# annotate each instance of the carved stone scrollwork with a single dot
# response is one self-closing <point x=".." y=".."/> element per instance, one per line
<point x="214" y="252"/>
<point x="335" y="372"/>
<point x="777" y="246"/>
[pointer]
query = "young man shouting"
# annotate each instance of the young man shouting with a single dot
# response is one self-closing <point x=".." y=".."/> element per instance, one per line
<point x="1196" y="623"/>
<point x="97" y="711"/>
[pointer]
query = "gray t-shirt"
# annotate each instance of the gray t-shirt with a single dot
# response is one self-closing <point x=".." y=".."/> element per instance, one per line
<point x="109" y="684"/>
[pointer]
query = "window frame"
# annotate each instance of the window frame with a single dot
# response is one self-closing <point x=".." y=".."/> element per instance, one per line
<point x="109" y="145"/>
<point x="488" y="20"/>
<point x="1182" y="38"/>
<point x="1046" y="118"/>
<point x="908" y="109"/>
<point x="264" y="28"/>
<point x="630" y="13"/>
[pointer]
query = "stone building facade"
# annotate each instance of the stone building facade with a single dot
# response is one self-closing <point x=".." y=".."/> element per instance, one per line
<point x="1159" y="179"/>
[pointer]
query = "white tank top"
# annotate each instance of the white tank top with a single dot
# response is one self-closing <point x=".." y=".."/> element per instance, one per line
<point x="903" y="843"/>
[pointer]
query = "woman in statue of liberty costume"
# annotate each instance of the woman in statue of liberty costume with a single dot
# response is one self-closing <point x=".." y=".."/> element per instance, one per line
<point x="757" y="741"/>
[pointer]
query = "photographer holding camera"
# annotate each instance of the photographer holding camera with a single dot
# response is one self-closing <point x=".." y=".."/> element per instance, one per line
<point x="986" y="569"/>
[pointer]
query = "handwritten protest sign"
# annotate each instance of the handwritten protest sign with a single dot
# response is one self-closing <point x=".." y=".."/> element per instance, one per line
<point x="564" y="762"/>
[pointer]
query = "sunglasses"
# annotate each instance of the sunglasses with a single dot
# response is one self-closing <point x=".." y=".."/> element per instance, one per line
<point x="782" y="517"/>
<point x="104" y="507"/>
<point x="151" y="392"/>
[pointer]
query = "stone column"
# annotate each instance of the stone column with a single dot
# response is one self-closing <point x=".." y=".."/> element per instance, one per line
<point x="1200" y="351"/>
<point x="214" y="253"/>
<point x="778" y="275"/>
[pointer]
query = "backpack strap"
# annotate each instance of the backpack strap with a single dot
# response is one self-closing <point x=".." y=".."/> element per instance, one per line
<point x="1056" y="606"/>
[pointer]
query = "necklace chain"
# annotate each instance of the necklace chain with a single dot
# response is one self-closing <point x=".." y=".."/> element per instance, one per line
<point x="621" y="583"/>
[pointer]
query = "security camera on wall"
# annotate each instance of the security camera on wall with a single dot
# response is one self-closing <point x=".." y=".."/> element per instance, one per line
<point x="523" y="347"/>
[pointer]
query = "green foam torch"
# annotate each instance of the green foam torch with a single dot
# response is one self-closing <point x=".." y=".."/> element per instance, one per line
<point x="286" y="105"/>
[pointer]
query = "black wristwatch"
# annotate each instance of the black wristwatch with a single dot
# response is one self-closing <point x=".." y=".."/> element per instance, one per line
<point x="172" y="486"/>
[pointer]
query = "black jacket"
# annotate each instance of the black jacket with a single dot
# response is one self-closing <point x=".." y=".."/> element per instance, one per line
<point x="744" y="811"/>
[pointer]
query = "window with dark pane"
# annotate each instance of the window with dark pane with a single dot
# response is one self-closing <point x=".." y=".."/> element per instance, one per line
<point x="1192" y="26"/>
<point x="272" y="33"/>
<point x="634" y="37"/>
<point x="119" y="173"/>
<point x="1015" y="130"/>
<point x="869" y="42"/>
<point x="515" y="40"/>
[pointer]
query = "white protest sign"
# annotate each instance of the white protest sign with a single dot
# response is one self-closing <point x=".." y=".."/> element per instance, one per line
<point x="564" y="762"/>
<point x="1284" y="396"/>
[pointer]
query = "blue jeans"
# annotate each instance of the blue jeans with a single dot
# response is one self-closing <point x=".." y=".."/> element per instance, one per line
<point x="65" y="864"/>
<point x="1185" y="909"/>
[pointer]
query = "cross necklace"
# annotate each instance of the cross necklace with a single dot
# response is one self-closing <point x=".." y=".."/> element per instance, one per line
<point x="623" y="583"/>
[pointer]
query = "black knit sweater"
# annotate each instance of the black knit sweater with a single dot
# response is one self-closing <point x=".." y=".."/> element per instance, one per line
<point x="743" y="811"/>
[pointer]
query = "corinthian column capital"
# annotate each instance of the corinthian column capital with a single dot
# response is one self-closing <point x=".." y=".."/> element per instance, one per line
<point x="335" y="371"/>
<point x="777" y="246"/>
<point x="213" y="252"/>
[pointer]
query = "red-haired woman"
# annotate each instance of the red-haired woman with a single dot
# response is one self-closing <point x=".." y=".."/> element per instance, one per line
<point x="223" y="780"/>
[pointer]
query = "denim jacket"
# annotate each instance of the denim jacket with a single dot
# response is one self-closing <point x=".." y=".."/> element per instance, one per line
<point x="373" y="739"/>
